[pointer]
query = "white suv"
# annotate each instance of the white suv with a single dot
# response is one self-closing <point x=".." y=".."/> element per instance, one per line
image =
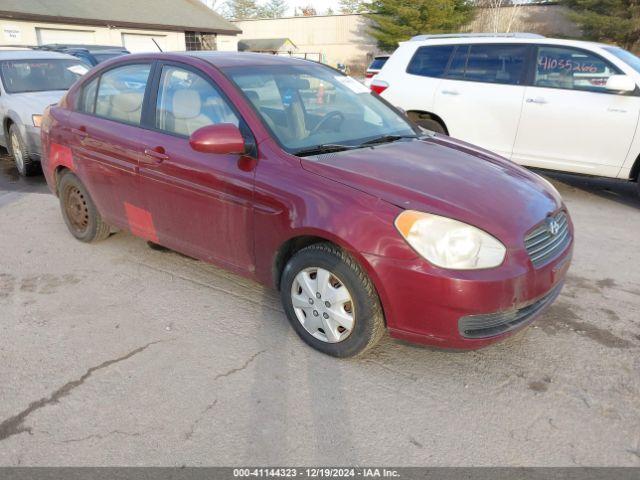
<point x="549" y="103"/>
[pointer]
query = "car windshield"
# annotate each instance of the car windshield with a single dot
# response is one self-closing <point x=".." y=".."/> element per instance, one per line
<point x="313" y="106"/>
<point x="39" y="75"/>
<point x="627" y="57"/>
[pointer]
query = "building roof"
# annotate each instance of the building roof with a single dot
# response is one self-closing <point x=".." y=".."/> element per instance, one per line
<point x="176" y="15"/>
<point x="266" y="45"/>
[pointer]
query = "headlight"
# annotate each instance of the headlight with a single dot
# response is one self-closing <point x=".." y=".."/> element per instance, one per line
<point x="448" y="243"/>
<point x="37" y="120"/>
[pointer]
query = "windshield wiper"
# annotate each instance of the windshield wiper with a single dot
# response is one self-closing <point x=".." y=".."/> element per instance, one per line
<point x="388" y="139"/>
<point x="324" y="148"/>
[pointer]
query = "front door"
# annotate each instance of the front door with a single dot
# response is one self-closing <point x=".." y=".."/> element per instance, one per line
<point x="480" y="99"/>
<point x="569" y="120"/>
<point x="201" y="203"/>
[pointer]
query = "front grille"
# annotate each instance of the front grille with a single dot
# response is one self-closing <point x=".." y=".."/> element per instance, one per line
<point x="492" y="324"/>
<point x="548" y="240"/>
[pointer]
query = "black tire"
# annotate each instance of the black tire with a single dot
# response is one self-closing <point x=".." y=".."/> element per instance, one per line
<point x="425" y="121"/>
<point x="17" y="148"/>
<point x="79" y="212"/>
<point x="368" y="325"/>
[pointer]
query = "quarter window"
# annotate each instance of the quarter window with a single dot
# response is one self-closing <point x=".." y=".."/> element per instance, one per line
<point x="121" y="93"/>
<point x="88" y="97"/>
<point x="187" y="102"/>
<point x="430" y="61"/>
<point x="571" y="69"/>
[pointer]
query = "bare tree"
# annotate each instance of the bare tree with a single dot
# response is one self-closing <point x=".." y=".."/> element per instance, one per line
<point x="497" y="16"/>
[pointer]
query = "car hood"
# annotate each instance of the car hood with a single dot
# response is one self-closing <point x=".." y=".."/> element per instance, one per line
<point x="446" y="177"/>
<point x="30" y="103"/>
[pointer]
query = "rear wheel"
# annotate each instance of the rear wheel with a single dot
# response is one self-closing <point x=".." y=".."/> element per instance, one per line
<point x="331" y="302"/>
<point x="79" y="212"/>
<point x="25" y="165"/>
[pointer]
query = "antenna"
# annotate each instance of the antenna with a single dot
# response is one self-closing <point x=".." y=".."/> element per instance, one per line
<point x="154" y="41"/>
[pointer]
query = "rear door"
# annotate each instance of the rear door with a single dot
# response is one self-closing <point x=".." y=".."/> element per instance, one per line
<point x="201" y="203"/>
<point x="105" y="132"/>
<point x="415" y="89"/>
<point x="480" y="98"/>
<point x="569" y="120"/>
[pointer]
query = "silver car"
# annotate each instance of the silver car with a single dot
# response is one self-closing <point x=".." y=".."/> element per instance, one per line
<point x="31" y="80"/>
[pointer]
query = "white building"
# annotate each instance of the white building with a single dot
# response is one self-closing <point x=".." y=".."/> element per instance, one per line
<point x="134" y="24"/>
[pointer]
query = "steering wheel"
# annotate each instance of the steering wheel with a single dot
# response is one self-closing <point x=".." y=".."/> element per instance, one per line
<point x="324" y="120"/>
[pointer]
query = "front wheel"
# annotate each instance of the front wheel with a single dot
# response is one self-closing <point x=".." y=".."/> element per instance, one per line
<point x="80" y="213"/>
<point x="25" y="165"/>
<point x="331" y="302"/>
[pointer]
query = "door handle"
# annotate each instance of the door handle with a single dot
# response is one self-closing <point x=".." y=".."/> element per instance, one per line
<point x="80" y="131"/>
<point x="450" y="92"/>
<point x="154" y="156"/>
<point x="539" y="101"/>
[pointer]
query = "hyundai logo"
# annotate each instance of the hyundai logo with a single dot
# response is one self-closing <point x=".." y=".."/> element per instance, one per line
<point x="553" y="226"/>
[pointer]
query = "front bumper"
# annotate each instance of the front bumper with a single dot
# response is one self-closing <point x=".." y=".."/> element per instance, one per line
<point x="466" y="309"/>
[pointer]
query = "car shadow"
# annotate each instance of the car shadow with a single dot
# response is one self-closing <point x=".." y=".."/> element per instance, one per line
<point x="11" y="181"/>
<point x="621" y="191"/>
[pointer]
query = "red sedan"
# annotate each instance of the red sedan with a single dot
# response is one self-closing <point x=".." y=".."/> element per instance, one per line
<point x="290" y="173"/>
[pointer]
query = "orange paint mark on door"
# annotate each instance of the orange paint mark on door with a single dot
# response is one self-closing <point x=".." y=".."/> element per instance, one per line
<point x="140" y="222"/>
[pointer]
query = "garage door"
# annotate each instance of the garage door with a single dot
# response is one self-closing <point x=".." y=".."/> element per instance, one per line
<point x="137" y="43"/>
<point x="56" y="35"/>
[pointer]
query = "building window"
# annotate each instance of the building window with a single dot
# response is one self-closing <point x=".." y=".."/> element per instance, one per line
<point x="200" y="41"/>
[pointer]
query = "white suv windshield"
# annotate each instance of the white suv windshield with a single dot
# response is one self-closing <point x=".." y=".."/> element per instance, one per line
<point x="308" y="106"/>
<point x="40" y="75"/>
<point x="627" y="57"/>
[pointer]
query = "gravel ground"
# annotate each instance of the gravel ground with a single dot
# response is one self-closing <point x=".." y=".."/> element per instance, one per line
<point x="117" y="354"/>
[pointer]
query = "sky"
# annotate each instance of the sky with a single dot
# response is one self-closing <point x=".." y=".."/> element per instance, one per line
<point x="321" y="6"/>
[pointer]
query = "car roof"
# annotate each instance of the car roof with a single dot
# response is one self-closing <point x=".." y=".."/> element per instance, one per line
<point x="235" y="59"/>
<point x="216" y="58"/>
<point x="486" y="38"/>
<point x="33" y="54"/>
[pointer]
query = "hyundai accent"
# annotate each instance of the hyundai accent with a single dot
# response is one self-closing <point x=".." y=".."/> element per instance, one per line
<point x="292" y="174"/>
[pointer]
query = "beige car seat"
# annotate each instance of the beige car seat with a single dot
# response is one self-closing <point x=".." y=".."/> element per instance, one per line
<point x="187" y="112"/>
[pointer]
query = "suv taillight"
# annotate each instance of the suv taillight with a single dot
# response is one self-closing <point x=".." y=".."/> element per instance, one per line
<point x="378" y="86"/>
<point x="370" y="74"/>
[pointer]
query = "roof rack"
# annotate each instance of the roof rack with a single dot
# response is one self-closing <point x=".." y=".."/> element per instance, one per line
<point x="418" y="38"/>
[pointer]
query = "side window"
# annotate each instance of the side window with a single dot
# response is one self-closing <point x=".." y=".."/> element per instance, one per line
<point x="458" y="63"/>
<point x="559" y="67"/>
<point x="430" y="61"/>
<point x="87" y="101"/>
<point x="497" y="64"/>
<point x="187" y="102"/>
<point x="121" y="92"/>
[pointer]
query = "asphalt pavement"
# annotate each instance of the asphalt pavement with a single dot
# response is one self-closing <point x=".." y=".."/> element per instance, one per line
<point x="118" y="354"/>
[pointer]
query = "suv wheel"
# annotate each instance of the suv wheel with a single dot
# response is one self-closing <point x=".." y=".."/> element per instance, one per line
<point x="331" y="302"/>
<point x="425" y="121"/>
<point x="25" y="165"/>
<point x="79" y="212"/>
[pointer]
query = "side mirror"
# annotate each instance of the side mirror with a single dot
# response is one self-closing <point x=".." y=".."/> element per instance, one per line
<point x="223" y="139"/>
<point x="620" y="83"/>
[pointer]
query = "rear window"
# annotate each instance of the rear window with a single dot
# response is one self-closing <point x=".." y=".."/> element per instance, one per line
<point x="430" y="61"/>
<point x="378" y="63"/>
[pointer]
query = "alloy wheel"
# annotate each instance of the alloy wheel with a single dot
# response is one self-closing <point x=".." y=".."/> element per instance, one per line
<point x="18" y="154"/>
